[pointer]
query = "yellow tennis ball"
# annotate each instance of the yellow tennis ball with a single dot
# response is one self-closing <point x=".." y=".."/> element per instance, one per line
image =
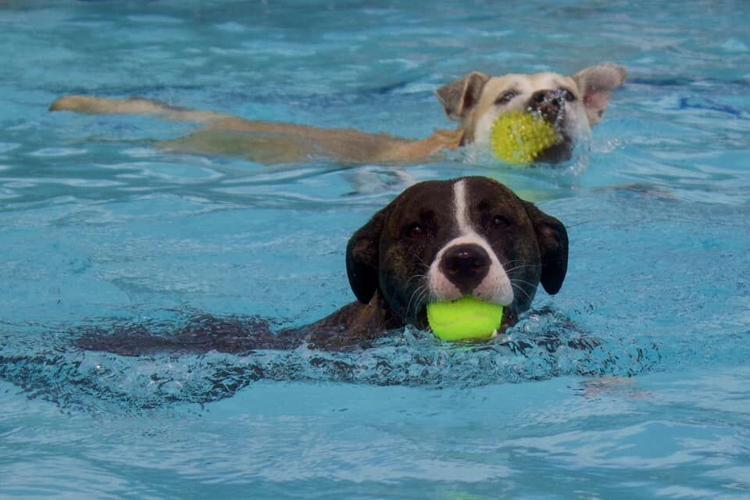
<point x="464" y="319"/>
<point x="518" y="137"/>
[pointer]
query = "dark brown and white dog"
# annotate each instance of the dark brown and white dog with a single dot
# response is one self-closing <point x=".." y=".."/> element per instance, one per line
<point x="573" y="104"/>
<point x="438" y="240"/>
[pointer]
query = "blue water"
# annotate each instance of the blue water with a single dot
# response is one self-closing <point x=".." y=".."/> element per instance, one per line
<point x="98" y="228"/>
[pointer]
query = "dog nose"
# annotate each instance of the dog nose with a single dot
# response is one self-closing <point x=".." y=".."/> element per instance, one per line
<point x="548" y="103"/>
<point x="465" y="266"/>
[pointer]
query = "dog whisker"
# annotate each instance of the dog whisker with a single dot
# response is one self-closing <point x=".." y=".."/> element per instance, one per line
<point x="416" y="276"/>
<point x="518" y="280"/>
<point x="417" y="294"/>
<point x="516" y="268"/>
<point x="520" y="289"/>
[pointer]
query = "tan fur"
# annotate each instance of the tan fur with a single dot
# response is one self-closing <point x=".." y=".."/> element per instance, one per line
<point x="470" y="101"/>
<point x="528" y="84"/>
<point x="268" y="142"/>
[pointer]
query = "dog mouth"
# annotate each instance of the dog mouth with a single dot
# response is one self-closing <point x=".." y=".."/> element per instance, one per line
<point x="557" y="117"/>
<point x="421" y="319"/>
<point x="537" y="132"/>
<point x="560" y="152"/>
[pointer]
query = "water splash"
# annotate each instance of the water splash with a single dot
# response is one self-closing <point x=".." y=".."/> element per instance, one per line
<point x="545" y="344"/>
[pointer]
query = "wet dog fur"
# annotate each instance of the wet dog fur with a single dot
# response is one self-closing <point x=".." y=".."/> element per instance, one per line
<point x="437" y="241"/>
<point x="574" y="104"/>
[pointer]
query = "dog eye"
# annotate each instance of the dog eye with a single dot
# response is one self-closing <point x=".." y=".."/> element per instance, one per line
<point x="506" y="97"/>
<point x="414" y="230"/>
<point x="567" y="94"/>
<point x="500" y="221"/>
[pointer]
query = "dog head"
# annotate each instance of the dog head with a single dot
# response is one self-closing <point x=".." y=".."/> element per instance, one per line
<point x="573" y="104"/>
<point x="443" y="240"/>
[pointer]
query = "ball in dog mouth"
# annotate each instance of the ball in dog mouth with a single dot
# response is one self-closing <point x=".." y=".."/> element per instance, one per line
<point x="464" y="319"/>
<point x="520" y="137"/>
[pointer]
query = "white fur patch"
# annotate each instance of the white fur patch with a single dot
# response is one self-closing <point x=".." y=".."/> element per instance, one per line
<point x="495" y="287"/>
<point x="575" y="125"/>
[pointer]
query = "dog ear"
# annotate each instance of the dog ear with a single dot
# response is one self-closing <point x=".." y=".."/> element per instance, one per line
<point x="596" y="84"/>
<point x="363" y="255"/>
<point x="552" y="239"/>
<point x="459" y="97"/>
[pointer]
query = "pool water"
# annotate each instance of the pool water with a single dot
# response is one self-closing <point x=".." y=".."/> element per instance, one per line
<point x="98" y="228"/>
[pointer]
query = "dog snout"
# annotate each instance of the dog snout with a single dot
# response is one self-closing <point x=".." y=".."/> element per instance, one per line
<point x="548" y="103"/>
<point x="465" y="266"/>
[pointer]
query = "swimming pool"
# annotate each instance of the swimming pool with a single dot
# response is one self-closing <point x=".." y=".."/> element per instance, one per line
<point x="97" y="228"/>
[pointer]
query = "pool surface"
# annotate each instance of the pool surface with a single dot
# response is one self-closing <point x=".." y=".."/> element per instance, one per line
<point x="98" y="229"/>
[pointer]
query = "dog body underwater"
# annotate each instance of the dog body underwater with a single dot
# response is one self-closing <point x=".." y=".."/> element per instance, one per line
<point x="436" y="241"/>
<point x="573" y="104"/>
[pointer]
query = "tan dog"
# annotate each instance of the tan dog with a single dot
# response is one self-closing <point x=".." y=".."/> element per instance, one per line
<point x="573" y="104"/>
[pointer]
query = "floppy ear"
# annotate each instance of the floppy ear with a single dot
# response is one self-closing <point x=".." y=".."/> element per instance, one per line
<point x="596" y="84"/>
<point x="362" y="256"/>
<point x="459" y="97"/>
<point x="553" y="247"/>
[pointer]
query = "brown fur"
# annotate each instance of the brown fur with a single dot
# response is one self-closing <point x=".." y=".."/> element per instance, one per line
<point x="386" y="270"/>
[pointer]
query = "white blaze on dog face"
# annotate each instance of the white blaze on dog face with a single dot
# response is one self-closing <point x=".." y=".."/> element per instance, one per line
<point x="495" y="286"/>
